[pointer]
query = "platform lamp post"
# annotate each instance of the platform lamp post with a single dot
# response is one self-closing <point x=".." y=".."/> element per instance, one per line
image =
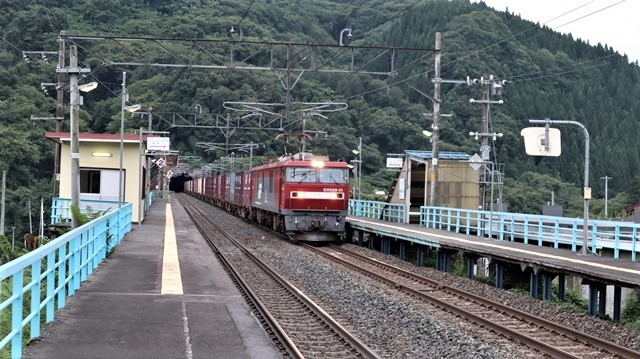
<point x="123" y="108"/>
<point x="587" y="190"/>
<point x="359" y="153"/>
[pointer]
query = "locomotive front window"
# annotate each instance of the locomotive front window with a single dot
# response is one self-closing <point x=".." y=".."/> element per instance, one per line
<point x="333" y="175"/>
<point x="302" y="175"/>
<point x="316" y="175"/>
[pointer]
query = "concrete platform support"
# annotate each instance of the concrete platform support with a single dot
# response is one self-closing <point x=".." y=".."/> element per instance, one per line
<point x="403" y="250"/>
<point x="617" y="300"/>
<point x="561" y="287"/>
<point x="597" y="298"/>
<point x="443" y="261"/>
<point x="602" y="300"/>
<point x="348" y="234"/>
<point x="593" y="299"/>
<point x="385" y="245"/>
<point x="420" y="255"/>
<point x="360" y="238"/>
<point x="471" y="263"/>
<point x="370" y="242"/>
<point x="533" y="284"/>
<point x="547" y="279"/>
<point x="499" y="274"/>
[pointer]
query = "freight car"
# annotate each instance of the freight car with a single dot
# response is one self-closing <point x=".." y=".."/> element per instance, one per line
<point x="307" y="200"/>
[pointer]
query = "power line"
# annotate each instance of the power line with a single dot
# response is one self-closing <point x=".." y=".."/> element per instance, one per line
<point x="46" y="9"/>
<point x="487" y="48"/>
<point x="245" y="13"/>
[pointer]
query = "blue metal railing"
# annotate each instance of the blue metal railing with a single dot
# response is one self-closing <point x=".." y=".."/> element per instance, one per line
<point x="378" y="210"/>
<point x="41" y="280"/>
<point x="61" y="212"/>
<point x="536" y="229"/>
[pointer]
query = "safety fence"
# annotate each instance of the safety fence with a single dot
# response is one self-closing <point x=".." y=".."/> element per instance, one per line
<point x="378" y="210"/>
<point x="617" y="236"/>
<point x="37" y="284"/>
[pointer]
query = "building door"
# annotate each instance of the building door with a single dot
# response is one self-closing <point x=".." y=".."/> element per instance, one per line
<point x="109" y="184"/>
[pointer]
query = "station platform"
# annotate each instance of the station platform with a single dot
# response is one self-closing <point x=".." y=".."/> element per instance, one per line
<point x="162" y="294"/>
<point x="597" y="268"/>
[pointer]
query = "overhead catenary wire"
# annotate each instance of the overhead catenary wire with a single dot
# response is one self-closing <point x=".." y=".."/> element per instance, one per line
<point x="245" y="13"/>
<point x="486" y="48"/>
<point x="46" y="9"/>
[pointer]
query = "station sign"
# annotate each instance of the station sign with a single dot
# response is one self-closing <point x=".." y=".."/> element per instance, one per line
<point x="158" y="143"/>
<point x="394" y="162"/>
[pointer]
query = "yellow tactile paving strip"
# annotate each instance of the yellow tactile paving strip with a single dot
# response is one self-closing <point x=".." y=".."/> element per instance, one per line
<point x="171" y="280"/>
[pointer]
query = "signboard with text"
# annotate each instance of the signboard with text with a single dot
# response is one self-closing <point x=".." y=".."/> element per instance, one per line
<point x="158" y="143"/>
<point x="393" y="162"/>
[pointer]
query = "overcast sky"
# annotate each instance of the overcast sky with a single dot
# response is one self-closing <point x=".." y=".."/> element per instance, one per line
<point x="612" y="22"/>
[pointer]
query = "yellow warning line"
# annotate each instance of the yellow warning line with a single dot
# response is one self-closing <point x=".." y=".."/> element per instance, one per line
<point x="171" y="280"/>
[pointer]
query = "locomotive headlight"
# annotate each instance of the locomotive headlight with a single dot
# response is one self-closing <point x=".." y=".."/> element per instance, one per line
<point x="317" y="164"/>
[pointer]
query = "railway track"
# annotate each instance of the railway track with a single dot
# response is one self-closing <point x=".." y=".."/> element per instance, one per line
<point x="539" y="334"/>
<point x="298" y="326"/>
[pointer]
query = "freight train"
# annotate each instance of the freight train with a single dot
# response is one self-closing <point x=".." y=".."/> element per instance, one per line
<point x="305" y="199"/>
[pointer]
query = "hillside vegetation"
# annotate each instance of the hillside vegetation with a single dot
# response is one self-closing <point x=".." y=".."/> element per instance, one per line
<point x="549" y="76"/>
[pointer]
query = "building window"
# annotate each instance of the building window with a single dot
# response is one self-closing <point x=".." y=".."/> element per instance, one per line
<point x="90" y="181"/>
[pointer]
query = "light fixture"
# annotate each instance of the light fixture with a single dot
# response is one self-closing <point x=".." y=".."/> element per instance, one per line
<point x="88" y="87"/>
<point x="349" y="35"/>
<point x="132" y="108"/>
<point x="427" y="133"/>
<point x="101" y="154"/>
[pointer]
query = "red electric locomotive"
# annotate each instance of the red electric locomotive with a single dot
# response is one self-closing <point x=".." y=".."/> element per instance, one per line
<point x="305" y="199"/>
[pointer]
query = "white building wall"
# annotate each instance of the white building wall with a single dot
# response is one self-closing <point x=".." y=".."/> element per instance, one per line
<point x="130" y="164"/>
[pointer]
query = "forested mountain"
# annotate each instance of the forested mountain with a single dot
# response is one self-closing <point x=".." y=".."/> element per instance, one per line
<point x="549" y="76"/>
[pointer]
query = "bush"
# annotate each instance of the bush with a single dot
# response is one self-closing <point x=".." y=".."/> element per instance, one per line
<point x="631" y="314"/>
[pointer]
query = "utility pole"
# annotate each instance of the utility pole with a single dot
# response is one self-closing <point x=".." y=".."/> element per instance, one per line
<point x="490" y="87"/>
<point x="360" y="169"/>
<point x="606" y="194"/>
<point x="59" y="114"/>
<point x="436" y="128"/>
<point x="4" y="190"/>
<point x="150" y="113"/>
<point x="75" y="128"/>
<point x="73" y="70"/>
<point x="59" y="117"/>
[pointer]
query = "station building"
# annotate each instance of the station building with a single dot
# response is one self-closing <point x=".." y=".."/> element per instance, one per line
<point x="458" y="183"/>
<point x="100" y="170"/>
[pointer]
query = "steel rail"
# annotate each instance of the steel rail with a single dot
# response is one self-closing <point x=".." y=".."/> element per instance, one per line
<point x="568" y="332"/>
<point x="324" y="316"/>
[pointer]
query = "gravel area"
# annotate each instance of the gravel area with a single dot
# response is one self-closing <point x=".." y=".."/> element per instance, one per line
<point x="393" y="324"/>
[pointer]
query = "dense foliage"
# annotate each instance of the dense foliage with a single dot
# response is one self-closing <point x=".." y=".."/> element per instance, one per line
<point x="550" y="75"/>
